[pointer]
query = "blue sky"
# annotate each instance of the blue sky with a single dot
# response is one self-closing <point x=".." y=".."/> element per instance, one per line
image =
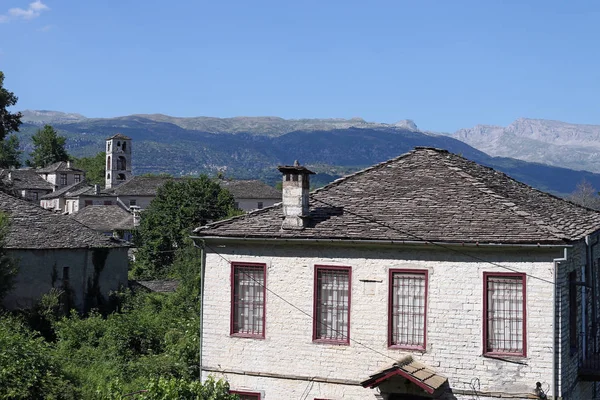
<point x="444" y="64"/>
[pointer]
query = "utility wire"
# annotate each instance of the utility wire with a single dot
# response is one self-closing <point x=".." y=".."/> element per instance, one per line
<point x="373" y="220"/>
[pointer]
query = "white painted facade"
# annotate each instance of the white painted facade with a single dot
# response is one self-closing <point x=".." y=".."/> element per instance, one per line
<point x="288" y="364"/>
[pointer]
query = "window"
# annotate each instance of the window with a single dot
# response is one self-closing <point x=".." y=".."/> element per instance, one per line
<point x="132" y="202"/>
<point x="34" y="195"/>
<point x="407" y="309"/>
<point x="87" y="203"/>
<point x="63" y="179"/>
<point x="573" y="339"/>
<point x="236" y="205"/>
<point x="121" y="177"/>
<point x="332" y="304"/>
<point x="246" y="395"/>
<point x="504" y="314"/>
<point x="260" y="205"/>
<point x="77" y="178"/>
<point x="121" y="163"/>
<point x="248" y="300"/>
<point x="65" y="277"/>
<point x="107" y="202"/>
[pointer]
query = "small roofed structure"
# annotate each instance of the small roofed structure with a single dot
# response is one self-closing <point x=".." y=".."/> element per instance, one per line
<point x="110" y="220"/>
<point x="251" y="194"/>
<point x="26" y="183"/>
<point x="421" y="379"/>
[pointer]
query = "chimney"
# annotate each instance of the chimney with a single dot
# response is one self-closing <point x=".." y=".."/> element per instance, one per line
<point x="97" y="189"/>
<point x="296" y="184"/>
<point x="69" y="164"/>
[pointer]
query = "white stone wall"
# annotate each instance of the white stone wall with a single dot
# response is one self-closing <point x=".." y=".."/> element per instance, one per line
<point x="454" y="320"/>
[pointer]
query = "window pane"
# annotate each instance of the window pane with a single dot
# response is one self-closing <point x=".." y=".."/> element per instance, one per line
<point x="408" y="309"/>
<point x="333" y="304"/>
<point x="505" y="314"/>
<point x="248" y="300"/>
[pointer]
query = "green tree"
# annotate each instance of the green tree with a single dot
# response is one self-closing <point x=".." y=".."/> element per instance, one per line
<point x="9" y="122"/>
<point x="48" y="148"/>
<point x="10" y="154"/>
<point x="8" y="269"/>
<point x="179" y="206"/>
<point x="93" y="167"/>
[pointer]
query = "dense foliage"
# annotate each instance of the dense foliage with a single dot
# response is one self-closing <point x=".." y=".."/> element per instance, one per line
<point x="179" y="206"/>
<point x="147" y="346"/>
<point x="94" y="168"/>
<point x="48" y="148"/>
<point x="9" y="122"/>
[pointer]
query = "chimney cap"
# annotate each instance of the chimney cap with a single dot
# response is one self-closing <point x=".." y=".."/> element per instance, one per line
<point x="296" y="169"/>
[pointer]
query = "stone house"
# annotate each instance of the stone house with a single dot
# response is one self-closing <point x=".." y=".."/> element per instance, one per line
<point x="110" y="220"/>
<point x="251" y="194"/>
<point x="61" y="174"/>
<point x="53" y="250"/>
<point x="26" y="183"/>
<point x="426" y="276"/>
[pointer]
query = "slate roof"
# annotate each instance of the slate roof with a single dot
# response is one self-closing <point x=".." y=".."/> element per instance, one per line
<point x="251" y="189"/>
<point x="104" y="218"/>
<point x="158" y="286"/>
<point x="119" y="136"/>
<point x="424" y="195"/>
<point x="64" y="191"/>
<point x="140" y="186"/>
<point x="33" y="227"/>
<point x="416" y="372"/>
<point x="21" y="179"/>
<point x="58" y="167"/>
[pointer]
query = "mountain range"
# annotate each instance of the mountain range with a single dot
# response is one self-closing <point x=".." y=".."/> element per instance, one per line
<point x="537" y="152"/>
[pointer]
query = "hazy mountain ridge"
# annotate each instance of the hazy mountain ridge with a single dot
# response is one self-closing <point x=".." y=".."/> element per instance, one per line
<point x="574" y="146"/>
<point x="256" y="145"/>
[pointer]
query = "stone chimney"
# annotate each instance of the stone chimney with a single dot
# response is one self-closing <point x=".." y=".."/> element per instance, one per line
<point x="296" y="185"/>
<point x="96" y="189"/>
<point x="69" y="164"/>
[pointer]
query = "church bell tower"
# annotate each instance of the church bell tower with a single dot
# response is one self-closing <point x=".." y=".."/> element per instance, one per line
<point x="118" y="160"/>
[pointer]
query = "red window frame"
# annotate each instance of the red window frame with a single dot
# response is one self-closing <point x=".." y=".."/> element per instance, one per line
<point x="246" y="395"/>
<point x="523" y="309"/>
<point x="391" y="342"/>
<point x="234" y="329"/>
<point x="317" y="324"/>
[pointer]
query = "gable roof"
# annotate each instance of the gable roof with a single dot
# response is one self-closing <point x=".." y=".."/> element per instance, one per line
<point x="104" y="218"/>
<point x="21" y="179"/>
<point x="64" y="191"/>
<point x="60" y="166"/>
<point x="250" y="189"/>
<point x="424" y="195"/>
<point x="414" y="371"/>
<point x="140" y="186"/>
<point x="32" y="227"/>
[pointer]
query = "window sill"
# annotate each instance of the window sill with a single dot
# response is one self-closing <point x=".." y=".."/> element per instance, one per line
<point x="247" y="336"/>
<point x="407" y="348"/>
<point x="508" y="357"/>
<point x="331" y="341"/>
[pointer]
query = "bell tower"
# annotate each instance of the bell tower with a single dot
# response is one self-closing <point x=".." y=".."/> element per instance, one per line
<point x="118" y="160"/>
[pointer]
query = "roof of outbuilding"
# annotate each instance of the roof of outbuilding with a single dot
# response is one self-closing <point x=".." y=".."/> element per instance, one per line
<point x="426" y="195"/>
<point x="408" y="368"/>
<point x="104" y="218"/>
<point x="60" y="166"/>
<point x="32" y="227"/>
<point x="21" y="179"/>
<point x="251" y="189"/>
<point x="140" y="186"/>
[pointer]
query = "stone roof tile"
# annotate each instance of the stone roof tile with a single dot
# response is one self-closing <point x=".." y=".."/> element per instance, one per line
<point x="104" y="218"/>
<point x="250" y="189"/>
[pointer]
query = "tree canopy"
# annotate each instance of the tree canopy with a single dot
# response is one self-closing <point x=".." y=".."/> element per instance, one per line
<point x="9" y="122"/>
<point x="48" y="148"/>
<point x="93" y="167"/>
<point x="585" y="195"/>
<point x="179" y="206"/>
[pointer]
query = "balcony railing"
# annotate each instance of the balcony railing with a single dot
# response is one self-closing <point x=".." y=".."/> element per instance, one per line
<point x="589" y="357"/>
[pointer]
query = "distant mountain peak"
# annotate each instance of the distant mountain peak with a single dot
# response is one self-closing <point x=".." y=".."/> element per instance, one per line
<point x="407" y="124"/>
<point x="49" y="117"/>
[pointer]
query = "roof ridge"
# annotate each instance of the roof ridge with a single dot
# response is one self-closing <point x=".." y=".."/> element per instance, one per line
<point x="237" y="217"/>
<point x="503" y="201"/>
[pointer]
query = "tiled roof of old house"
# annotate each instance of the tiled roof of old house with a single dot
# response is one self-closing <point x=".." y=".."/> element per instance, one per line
<point x="414" y="371"/>
<point x="64" y="191"/>
<point x="424" y="195"/>
<point x="251" y="189"/>
<point x="58" y="167"/>
<point x="32" y="227"/>
<point x="158" y="286"/>
<point x="140" y="186"/>
<point x="104" y="218"/>
<point x="21" y="179"/>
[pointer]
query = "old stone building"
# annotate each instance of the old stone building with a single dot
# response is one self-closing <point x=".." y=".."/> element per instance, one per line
<point x="426" y="276"/>
<point x="55" y="251"/>
<point x="251" y="194"/>
<point x="26" y="183"/>
<point x="118" y="160"/>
